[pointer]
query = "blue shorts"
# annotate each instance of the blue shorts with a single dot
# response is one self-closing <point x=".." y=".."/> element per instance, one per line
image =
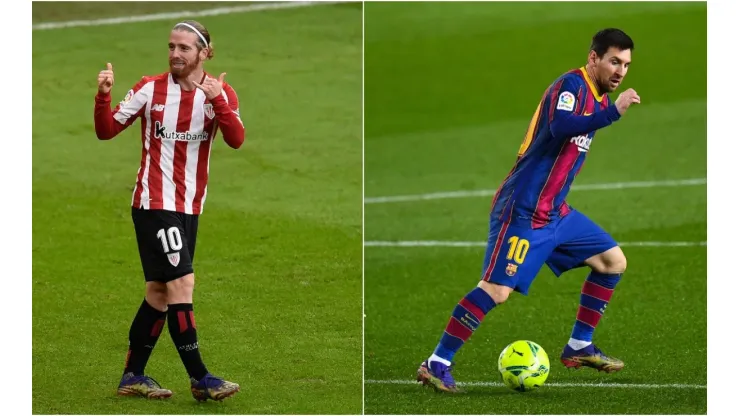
<point x="516" y="252"/>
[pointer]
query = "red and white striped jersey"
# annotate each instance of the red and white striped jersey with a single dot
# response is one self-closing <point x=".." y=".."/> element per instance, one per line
<point x="177" y="132"/>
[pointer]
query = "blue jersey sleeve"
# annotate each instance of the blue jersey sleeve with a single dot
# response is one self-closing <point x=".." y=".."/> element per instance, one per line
<point x="565" y="123"/>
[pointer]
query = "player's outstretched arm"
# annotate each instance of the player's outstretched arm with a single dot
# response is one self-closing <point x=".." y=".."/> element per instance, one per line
<point x="565" y="123"/>
<point x="227" y="113"/>
<point x="563" y="126"/>
<point x="108" y="124"/>
<point x="105" y="124"/>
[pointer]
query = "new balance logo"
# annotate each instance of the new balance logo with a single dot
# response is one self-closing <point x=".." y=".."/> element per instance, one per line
<point x="160" y="132"/>
<point x="583" y="142"/>
<point x="158" y="107"/>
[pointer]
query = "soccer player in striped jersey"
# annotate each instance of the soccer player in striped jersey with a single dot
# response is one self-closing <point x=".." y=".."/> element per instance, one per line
<point x="180" y="111"/>
<point x="531" y="224"/>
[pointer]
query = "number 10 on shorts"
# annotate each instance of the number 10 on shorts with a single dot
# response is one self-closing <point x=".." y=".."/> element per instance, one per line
<point x="172" y="236"/>
<point x="518" y="248"/>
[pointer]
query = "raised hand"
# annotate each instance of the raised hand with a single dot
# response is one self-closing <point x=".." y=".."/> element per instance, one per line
<point x="212" y="87"/>
<point x="626" y="99"/>
<point x="105" y="79"/>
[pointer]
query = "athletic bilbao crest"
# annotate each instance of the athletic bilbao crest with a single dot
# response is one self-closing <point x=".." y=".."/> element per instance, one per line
<point x="511" y="269"/>
<point x="174" y="259"/>
<point x="208" y="109"/>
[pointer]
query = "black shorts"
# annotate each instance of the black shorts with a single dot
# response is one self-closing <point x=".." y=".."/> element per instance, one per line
<point x="166" y="242"/>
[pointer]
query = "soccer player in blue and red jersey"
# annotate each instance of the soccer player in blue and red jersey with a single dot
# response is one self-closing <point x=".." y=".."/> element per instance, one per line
<point x="531" y="224"/>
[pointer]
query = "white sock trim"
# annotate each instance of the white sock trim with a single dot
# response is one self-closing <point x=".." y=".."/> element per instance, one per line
<point x="577" y="344"/>
<point x="439" y="359"/>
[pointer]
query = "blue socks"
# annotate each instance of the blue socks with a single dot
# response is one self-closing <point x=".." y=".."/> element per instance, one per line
<point x="595" y="295"/>
<point x="465" y="319"/>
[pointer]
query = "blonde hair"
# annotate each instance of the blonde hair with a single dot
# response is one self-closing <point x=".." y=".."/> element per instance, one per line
<point x="204" y="38"/>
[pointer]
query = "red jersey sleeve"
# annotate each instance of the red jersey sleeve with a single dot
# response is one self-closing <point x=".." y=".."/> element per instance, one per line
<point x="226" y="107"/>
<point x="109" y="123"/>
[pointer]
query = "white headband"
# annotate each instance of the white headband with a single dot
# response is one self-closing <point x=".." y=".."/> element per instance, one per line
<point x="200" y="35"/>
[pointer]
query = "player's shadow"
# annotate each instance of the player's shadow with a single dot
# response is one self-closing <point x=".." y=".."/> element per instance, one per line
<point x="473" y="391"/>
<point x="544" y="393"/>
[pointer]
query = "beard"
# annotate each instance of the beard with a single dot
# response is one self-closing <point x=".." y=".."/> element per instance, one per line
<point x="607" y="86"/>
<point x="186" y="69"/>
<point x="603" y="85"/>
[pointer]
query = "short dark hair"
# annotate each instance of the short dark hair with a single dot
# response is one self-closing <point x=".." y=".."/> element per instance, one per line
<point x="608" y="38"/>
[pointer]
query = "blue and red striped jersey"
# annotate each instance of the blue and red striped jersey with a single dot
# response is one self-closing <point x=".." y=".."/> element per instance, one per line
<point x="553" y="151"/>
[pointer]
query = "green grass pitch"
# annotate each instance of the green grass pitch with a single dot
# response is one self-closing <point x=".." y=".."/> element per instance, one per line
<point x="279" y="263"/>
<point x="449" y="91"/>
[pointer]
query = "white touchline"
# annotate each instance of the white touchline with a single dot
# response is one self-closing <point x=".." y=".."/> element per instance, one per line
<point x="483" y="244"/>
<point x="596" y="385"/>
<point x="181" y="14"/>
<point x="576" y="187"/>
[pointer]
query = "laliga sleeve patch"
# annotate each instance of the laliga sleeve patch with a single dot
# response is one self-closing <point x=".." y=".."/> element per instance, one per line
<point x="128" y="97"/>
<point x="566" y="101"/>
